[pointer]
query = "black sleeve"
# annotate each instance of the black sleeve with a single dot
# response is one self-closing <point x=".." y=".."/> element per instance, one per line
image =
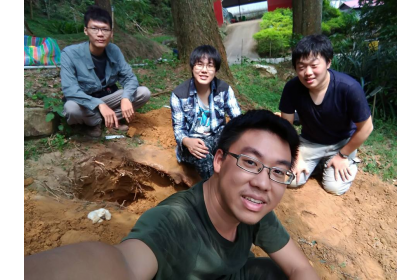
<point x="286" y="103"/>
<point x="357" y="104"/>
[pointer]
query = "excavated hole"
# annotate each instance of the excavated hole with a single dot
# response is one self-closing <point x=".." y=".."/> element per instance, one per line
<point x="109" y="178"/>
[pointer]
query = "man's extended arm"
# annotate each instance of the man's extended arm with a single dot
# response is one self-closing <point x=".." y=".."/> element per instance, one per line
<point x="131" y="259"/>
<point x="293" y="262"/>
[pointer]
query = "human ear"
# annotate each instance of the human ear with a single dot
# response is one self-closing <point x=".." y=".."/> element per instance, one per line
<point x="217" y="161"/>
<point x="85" y="30"/>
<point x="329" y="64"/>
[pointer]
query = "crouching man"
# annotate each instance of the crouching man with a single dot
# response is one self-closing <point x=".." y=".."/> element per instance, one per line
<point x="89" y="73"/>
<point x="205" y="232"/>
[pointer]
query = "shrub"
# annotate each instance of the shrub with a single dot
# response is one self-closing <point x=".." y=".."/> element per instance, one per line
<point x="276" y="30"/>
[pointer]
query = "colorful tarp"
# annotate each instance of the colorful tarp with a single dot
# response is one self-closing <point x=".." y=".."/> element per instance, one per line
<point x="41" y="51"/>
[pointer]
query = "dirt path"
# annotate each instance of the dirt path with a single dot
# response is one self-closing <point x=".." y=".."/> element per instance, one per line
<point x="347" y="237"/>
<point x="240" y="42"/>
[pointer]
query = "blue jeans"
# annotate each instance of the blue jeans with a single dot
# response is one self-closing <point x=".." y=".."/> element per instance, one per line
<point x="314" y="154"/>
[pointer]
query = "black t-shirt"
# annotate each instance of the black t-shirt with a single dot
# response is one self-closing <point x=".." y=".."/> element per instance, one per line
<point x="334" y="119"/>
<point x="187" y="245"/>
<point x="100" y="66"/>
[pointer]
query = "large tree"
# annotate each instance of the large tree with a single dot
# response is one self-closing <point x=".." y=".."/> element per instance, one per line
<point x="195" y="24"/>
<point x="307" y="17"/>
<point x="105" y="4"/>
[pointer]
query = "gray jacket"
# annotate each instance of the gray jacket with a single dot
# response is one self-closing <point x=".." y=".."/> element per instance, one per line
<point x="79" y="80"/>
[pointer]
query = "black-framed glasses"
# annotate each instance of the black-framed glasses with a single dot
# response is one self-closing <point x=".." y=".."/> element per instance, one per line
<point x="200" y="65"/>
<point x="95" y="30"/>
<point x="252" y="165"/>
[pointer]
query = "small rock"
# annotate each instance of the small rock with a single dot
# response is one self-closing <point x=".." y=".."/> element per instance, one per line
<point x="35" y="123"/>
<point x="269" y="69"/>
<point x="371" y="233"/>
<point x="28" y="181"/>
<point x="131" y="131"/>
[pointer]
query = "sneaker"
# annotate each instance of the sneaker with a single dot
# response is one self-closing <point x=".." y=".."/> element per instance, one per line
<point x="94" y="131"/>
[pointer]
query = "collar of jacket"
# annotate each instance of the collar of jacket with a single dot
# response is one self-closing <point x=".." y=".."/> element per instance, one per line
<point x="212" y="85"/>
<point x="88" y="55"/>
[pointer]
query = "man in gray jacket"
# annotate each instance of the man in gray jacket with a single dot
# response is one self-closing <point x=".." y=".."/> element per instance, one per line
<point x="89" y="72"/>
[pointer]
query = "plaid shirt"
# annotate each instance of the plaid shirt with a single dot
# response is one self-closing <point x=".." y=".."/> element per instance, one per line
<point x="185" y="112"/>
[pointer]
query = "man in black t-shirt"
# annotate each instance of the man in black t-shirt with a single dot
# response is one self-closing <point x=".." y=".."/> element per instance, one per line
<point x="334" y="114"/>
<point x="89" y="73"/>
<point x="205" y="232"/>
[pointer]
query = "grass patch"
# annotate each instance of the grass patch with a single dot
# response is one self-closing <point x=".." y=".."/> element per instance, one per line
<point x="34" y="148"/>
<point x="156" y="102"/>
<point x="379" y="152"/>
<point x="265" y="92"/>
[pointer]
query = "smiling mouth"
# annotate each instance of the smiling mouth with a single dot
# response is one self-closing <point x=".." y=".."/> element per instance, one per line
<point x="256" y="201"/>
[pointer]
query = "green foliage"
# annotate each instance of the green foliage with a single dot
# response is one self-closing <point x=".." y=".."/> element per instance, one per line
<point x="276" y="30"/>
<point x="65" y="27"/>
<point x="54" y="104"/>
<point x="370" y="56"/>
<point x="66" y="17"/>
<point x="143" y="15"/>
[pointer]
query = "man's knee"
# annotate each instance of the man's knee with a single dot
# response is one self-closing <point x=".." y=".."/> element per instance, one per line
<point x="142" y="94"/>
<point x="71" y="108"/>
<point x="73" y="112"/>
<point x="337" y="188"/>
<point x="302" y="180"/>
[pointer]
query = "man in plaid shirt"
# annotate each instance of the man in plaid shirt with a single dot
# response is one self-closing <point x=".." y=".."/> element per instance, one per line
<point x="198" y="108"/>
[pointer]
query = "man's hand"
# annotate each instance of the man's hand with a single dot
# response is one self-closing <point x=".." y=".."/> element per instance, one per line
<point x="109" y="116"/>
<point x="341" y="166"/>
<point x="196" y="146"/>
<point x="127" y="109"/>
<point x="299" y="168"/>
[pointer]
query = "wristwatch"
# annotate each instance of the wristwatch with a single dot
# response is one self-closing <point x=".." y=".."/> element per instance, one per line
<point x="343" y="156"/>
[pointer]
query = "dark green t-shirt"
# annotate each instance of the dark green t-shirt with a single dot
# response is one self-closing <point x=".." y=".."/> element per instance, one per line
<point x="187" y="245"/>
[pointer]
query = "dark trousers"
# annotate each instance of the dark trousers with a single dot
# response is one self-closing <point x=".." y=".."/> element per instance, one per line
<point x="204" y="166"/>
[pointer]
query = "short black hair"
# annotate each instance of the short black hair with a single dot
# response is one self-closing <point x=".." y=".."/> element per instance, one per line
<point x="97" y="13"/>
<point x="261" y="120"/>
<point x="205" y="51"/>
<point x="313" y="45"/>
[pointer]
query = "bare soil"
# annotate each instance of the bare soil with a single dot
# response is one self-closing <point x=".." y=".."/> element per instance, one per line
<point x="353" y="236"/>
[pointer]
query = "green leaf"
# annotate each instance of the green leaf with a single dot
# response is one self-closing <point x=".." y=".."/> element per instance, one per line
<point x="50" y="117"/>
<point x="60" y="127"/>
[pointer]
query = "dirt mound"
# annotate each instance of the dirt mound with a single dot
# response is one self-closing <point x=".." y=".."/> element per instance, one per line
<point x="353" y="236"/>
<point x="155" y="127"/>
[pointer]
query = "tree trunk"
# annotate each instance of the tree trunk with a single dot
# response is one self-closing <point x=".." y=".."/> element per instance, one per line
<point x="307" y="17"/>
<point x="104" y="4"/>
<point x="195" y="25"/>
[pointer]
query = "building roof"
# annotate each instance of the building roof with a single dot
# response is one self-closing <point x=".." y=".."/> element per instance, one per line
<point x="234" y="3"/>
<point x="354" y="4"/>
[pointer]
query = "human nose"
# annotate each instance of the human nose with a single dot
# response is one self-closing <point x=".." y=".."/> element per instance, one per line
<point x="308" y="71"/>
<point x="262" y="179"/>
